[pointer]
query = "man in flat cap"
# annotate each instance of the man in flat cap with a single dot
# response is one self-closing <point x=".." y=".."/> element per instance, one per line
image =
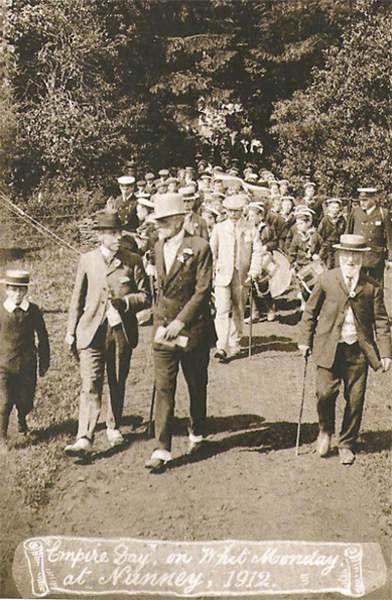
<point x="110" y="288"/>
<point x="237" y="253"/>
<point x="346" y="326"/>
<point x="183" y="326"/>
<point x="374" y="223"/>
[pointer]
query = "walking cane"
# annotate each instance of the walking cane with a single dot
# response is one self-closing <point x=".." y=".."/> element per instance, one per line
<point x="302" y="405"/>
<point x="151" y="424"/>
<point x="250" y="319"/>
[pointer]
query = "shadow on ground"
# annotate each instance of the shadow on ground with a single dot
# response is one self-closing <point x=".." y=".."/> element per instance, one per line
<point x="266" y="437"/>
<point x="274" y="343"/>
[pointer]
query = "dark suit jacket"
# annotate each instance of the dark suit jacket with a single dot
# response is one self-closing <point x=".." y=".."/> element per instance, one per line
<point x="17" y="340"/>
<point x="376" y="229"/>
<point x="95" y="281"/>
<point x="322" y="321"/>
<point x="184" y="293"/>
<point x="196" y="225"/>
<point x="127" y="212"/>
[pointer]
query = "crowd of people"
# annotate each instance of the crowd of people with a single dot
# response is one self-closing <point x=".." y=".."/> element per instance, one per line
<point x="198" y="243"/>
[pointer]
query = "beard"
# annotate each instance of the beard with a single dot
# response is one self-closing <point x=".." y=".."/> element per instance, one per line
<point x="350" y="270"/>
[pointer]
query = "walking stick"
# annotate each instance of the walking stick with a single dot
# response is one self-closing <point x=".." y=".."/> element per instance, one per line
<point x="302" y="405"/>
<point x="151" y="424"/>
<point x="250" y="319"/>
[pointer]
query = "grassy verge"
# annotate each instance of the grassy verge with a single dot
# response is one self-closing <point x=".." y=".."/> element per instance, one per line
<point x="34" y="463"/>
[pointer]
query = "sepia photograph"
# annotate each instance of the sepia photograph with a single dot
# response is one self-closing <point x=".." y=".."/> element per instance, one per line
<point x="196" y="299"/>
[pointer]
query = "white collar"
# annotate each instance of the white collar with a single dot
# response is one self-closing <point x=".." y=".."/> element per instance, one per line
<point x="354" y="281"/>
<point x="106" y="252"/>
<point x="176" y="239"/>
<point x="10" y="306"/>
<point x="370" y="210"/>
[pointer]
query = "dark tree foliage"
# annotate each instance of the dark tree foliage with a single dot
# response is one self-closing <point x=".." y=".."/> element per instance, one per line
<point x="92" y="83"/>
<point x="341" y="125"/>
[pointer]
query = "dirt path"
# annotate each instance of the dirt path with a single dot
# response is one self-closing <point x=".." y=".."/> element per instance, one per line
<point x="247" y="484"/>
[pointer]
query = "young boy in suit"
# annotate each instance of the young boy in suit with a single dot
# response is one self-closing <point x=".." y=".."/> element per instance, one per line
<point x="20" y="323"/>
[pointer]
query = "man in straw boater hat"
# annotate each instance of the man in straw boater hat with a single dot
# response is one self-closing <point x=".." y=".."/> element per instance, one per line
<point x="183" y="326"/>
<point x="342" y="315"/>
<point x="110" y="288"/>
<point x="21" y="322"/>
<point x="193" y="223"/>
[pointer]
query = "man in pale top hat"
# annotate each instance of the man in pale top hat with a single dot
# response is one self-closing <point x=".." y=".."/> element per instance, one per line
<point x="374" y="223"/>
<point x="346" y="326"/>
<point x="21" y="326"/>
<point x="183" y="326"/>
<point x="194" y="224"/>
<point x="110" y="288"/>
<point x="237" y="253"/>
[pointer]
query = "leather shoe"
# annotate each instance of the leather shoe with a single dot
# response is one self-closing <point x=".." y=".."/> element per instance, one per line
<point x="155" y="464"/>
<point x="271" y="316"/>
<point x="80" y="448"/>
<point x="323" y="443"/>
<point x="114" y="437"/>
<point x="347" y="456"/>
<point x="194" y="447"/>
<point x="221" y="355"/>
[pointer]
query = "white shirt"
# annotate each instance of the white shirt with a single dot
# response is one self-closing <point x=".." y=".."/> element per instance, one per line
<point x="170" y="249"/>
<point x="112" y="315"/>
<point x="349" y="334"/>
<point x="371" y="209"/>
<point x="10" y="306"/>
<point x="107" y="254"/>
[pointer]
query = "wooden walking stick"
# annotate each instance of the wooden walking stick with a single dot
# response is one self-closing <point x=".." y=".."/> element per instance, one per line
<point x="302" y="404"/>
<point x="151" y="424"/>
<point x="250" y="319"/>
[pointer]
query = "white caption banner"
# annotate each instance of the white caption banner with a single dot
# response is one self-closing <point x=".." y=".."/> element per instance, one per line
<point x="64" y="566"/>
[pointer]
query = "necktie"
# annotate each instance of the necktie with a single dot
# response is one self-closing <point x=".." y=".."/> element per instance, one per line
<point x="350" y="287"/>
<point x="235" y="247"/>
<point x="18" y="314"/>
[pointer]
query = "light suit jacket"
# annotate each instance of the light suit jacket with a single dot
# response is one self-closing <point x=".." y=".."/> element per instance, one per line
<point x="124" y="277"/>
<point x="249" y="250"/>
<point x="322" y="321"/>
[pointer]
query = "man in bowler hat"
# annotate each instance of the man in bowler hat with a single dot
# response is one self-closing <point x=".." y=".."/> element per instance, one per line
<point x="346" y="326"/>
<point x="110" y="288"/>
<point x="183" y="326"/>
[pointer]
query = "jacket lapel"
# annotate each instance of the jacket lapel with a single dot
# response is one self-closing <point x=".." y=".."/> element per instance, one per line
<point x="359" y="287"/>
<point x="114" y="264"/>
<point x="159" y="262"/>
<point x="178" y="264"/>
<point x="342" y="283"/>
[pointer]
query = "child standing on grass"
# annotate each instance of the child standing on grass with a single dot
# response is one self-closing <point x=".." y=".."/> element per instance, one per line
<point x="20" y="323"/>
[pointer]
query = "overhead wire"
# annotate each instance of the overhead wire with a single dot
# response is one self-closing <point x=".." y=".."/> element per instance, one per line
<point x="45" y="231"/>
